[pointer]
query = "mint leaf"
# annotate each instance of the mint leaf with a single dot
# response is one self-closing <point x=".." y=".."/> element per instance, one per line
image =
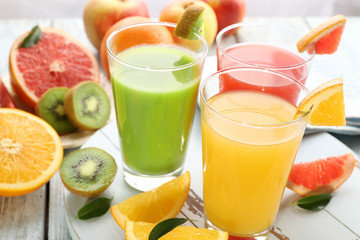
<point x="314" y="202"/>
<point x="165" y="226"/>
<point x="33" y="37"/>
<point x="95" y="208"/>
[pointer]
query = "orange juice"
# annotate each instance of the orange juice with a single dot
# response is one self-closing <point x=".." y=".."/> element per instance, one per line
<point x="246" y="166"/>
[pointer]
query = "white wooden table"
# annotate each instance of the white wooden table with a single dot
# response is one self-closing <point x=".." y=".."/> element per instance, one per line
<point x="41" y="214"/>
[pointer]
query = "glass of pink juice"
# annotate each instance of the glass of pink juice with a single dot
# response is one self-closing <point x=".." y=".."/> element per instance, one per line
<point x="267" y="46"/>
<point x="249" y="143"/>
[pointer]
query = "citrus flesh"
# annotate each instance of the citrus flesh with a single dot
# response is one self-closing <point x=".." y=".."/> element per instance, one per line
<point x="56" y="60"/>
<point x="325" y="104"/>
<point x="326" y="36"/>
<point x="191" y="22"/>
<point x="156" y="205"/>
<point x="6" y="100"/>
<point x="322" y="175"/>
<point x="30" y="152"/>
<point x="141" y="231"/>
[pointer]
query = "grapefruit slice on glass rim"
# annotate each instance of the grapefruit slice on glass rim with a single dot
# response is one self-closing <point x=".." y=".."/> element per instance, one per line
<point x="56" y="60"/>
<point x="322" y="175"/>
<point x="326" y="36"/>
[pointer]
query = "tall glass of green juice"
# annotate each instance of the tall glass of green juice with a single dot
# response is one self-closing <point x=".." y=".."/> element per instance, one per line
<point x="155" y="78"/>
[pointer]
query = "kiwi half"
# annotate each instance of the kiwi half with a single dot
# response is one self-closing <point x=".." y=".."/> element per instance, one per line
<point x="51" y="108"/>
<point x="87" y="105"/>
<point x="88" y="171"/>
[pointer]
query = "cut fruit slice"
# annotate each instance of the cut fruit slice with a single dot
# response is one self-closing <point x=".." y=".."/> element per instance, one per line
<point x="30" y="152"/>
<point x="191" y="23"/>
<point x="156" y="205"/>
<point x="87" y="105"/>
<point x="325" y="104"/>
<point x="321" y="176"/>
<point x="57" y="60"/>
<point x="141" y="231"/>
<point x="6" y="100"/>
<point x="326" y="36"/>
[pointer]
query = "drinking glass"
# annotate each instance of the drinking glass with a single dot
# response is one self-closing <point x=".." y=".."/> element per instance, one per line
<point x="249" y="143"/>
<point x="155" y="86"/>
<point x="270" y="46"/>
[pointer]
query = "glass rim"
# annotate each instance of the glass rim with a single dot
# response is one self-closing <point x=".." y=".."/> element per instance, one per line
<point x="245" y="124"/>
<point x="166" y="24"/>
<point x="237" y="25"/>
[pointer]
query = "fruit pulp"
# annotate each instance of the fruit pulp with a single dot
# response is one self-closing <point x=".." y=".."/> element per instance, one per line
<point x="267" y="56"/>
<point x="246" y="167"/>
<point x="155" y="108"/>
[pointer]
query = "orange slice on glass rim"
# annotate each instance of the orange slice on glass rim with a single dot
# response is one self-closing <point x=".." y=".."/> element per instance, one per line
<point x="155" y="205"/>
<point x="325" y="104"/>
<point x="141" y="231"/>
<point x="326" y="36"/>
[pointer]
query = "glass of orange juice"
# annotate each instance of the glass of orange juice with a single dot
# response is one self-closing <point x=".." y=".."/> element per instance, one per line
<point x="250" y="141"/>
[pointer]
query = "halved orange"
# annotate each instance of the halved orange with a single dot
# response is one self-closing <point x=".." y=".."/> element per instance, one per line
<point x="326" y="36"/>
<point x="325" y="104"/>
<point x="156" y="205"/>
<point x="141" y="231"/>
<point x="322" y="175"/>
<point x="30" y="152"/>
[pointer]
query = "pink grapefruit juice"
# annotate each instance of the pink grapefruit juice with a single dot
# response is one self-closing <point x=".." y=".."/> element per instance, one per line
<point x="246" y="166"/>
<point x="266" y="56"/>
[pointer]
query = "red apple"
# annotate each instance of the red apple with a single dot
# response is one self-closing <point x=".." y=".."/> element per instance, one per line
<point x="100" y="15"/>
<point x="173" y="11"/>
<point x="228" y="11"/>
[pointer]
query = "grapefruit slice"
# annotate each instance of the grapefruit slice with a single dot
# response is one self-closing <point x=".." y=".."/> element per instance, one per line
<point x="6" y="100"/>
<point x="326" y="36"/>
<point x="325" y="104"/>
<point x="56" y="60"/>
<point x="322" y="175"/>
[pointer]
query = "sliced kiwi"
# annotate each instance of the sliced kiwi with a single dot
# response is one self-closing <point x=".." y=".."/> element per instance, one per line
<point x="51" y="108"/>
<point x="88" y="171"/>
<point x="87" y="105"/>
<point x="190" y="23"/>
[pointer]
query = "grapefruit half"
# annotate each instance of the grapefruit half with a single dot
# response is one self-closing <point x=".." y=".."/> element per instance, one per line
<point x="322" y="175"/>
<point x="6" y="100"/>
<point x="57" y="60"/>
<point x="326" y="36"/>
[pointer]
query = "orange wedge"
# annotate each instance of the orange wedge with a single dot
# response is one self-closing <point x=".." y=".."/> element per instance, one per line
<point x="325" y="104"/>
<point x="156" y="205"/>
<point x="141" y="231"/>
<point x="30" y="152"/>
<point x="326" y="36"/>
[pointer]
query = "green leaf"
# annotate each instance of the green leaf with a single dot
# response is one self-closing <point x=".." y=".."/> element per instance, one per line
<point x="33" y="37"/>
<point x="95" y="208"/>
<point x="165" y="226"/>
<point x="314" y="202"/>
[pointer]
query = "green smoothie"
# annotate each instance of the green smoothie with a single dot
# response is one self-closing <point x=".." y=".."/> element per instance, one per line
<point x="155" y="104"/>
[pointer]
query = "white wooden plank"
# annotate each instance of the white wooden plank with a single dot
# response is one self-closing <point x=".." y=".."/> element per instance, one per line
<point x="23" y="217"/>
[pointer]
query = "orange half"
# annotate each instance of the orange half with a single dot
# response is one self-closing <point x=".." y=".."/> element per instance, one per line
<point x="30" y="152"/>
<point x="325" y="104"/>
<point x="331" y="29"/>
